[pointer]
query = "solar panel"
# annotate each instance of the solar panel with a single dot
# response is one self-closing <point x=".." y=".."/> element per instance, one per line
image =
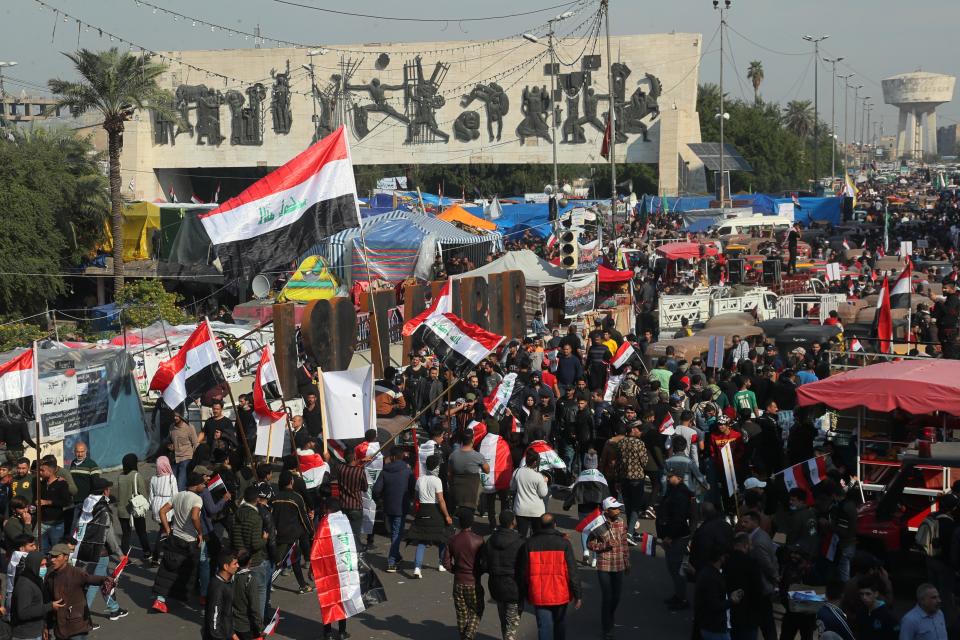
<point x="709" y="154"/>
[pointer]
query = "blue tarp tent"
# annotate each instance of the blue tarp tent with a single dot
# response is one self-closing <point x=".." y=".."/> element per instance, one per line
<point x="429" y="199"/>
<point x="533" y="215"/>
<point x="652" y="204"/>
<point x="810" y="210"/>
<point x="89" y="395"/>
<point x="393" y="247"/>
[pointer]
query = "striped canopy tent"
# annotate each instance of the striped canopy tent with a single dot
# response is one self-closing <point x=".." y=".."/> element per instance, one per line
<point x="344" y="250"/>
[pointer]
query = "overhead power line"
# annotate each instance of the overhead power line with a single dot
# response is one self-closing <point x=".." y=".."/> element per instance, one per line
<point x="352" y="14"/>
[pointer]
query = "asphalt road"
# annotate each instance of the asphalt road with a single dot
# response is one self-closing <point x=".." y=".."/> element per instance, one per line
<point x="414" y="608"/>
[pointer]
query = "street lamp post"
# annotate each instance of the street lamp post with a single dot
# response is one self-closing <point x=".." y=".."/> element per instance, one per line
<point x="863" y="118"/>
<point x="553" y="86"/>
<point x="846" y="100"/>
<point x="856" y="99"/>
<point x="833" y="118"/>
<point x="816" y="40"/>
<point x="722" y="115"/>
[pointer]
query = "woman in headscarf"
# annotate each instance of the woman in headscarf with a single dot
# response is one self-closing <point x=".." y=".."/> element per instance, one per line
<point x="163" y="487"/>
<point x="27" y="609"/>
<point x="132" y="484"/>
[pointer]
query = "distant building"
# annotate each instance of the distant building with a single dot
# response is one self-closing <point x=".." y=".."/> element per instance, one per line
<point x="29" y="108"/>
<point x="947" y="140"/>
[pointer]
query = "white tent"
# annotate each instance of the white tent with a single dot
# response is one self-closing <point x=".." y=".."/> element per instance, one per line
<point x="537" y="272"/>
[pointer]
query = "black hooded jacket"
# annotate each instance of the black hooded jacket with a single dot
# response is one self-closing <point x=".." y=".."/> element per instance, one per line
<point x="27" y="608"/>
<point x="499" y="559"/>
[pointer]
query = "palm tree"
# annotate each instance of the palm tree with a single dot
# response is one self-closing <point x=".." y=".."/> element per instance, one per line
<point x="799" y="118"/>
<point x="755" y="75"/>
<point x="115" y="84"/>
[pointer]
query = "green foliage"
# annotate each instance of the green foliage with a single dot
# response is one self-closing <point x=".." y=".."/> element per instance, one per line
<point x="755" y="76"/>
<point x="508" y="179"/>
<point x="146" y="301"/>
<point x="19" y="334"/>
<point x="768" y="139"/>
<point x="40" y="200"/>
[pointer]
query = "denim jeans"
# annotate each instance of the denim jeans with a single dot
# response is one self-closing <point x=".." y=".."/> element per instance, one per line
<point x="421" y="550"/>
<point x="611" y="585"/>
<point x="263" y="573"/>
<point x="99" y="568"/>
<point x="845" y="554"/>
<point x="714" y="635"/>
<point x="395" y="527"/>
<point x="180" y="470"/>
<point x="550" y="624"/>
<point x="203" y="570"/>
<point x="50" y="534"/>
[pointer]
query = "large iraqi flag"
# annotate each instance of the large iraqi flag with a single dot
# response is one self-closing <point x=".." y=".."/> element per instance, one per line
<point x="459" y="345"/>
<point x="345" y="584"/>
<point x="286" y="212"/>
<point x="194" y="369"/>
<point x="17" y="377"/>
<point x="496" y="452"/>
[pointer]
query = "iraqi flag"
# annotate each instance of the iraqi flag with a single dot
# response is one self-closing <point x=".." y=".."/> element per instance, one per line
<point x="613" y="384"/>
<point x="287" y="211"/>
<point x="312" y="467"/>
<point x="194" y="370"/>
<point x="648" y="544"/>
<point x="667" y="427"/>
<point x="17" y="384"/>
<point x="423" y="451"/>
<point x="855" y="344"/>
<point x="883" y="323"/>
<point x="590" y="522"/>
<point x="605" y="145"/>
<point x="551" y="241"/>
<point x="274" y="620"/>
<point x="623" y="355"/>
<point x="459" y="345"/>
<point x="496" y="452"/>
<point x="548" y="457"/>
<point x="217" y="488"/>
<point x="497" y="402"/>
<point x="846" y="245"/>
<point x="115" y="574"/>
<point x="900" y="293"/>
<point x="266" y="387"/>
<point x="341" y="590"/>
<point x="442" y="303"/>
<point x="805" y="475"/>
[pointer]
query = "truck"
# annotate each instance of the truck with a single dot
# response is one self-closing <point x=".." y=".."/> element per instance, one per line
<point x="707" y="302"/>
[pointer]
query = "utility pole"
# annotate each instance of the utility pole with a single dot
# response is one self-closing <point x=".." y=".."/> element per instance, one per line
<point x="722" y="115"/>
<point x="833" y="118"/>
<point x="846" y="100"/>
<point x="816" y="40"/>
<point x="863" y="120"/>
<point x="605" y="7"/>
<point x="869" y="147"/>
<point x="856" y="99"/>
<point x="553" y="105"/>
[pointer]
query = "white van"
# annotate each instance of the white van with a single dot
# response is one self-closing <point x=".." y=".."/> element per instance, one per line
<point x="747" y="224"/>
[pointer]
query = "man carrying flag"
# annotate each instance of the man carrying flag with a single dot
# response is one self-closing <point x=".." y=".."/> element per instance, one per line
<point x="280" y="216"/>
<point x="609" y="542"/>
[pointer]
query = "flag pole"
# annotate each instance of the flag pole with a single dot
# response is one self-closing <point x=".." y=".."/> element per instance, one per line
<point x="323" y="413"/>
<point x="36" y="414"/>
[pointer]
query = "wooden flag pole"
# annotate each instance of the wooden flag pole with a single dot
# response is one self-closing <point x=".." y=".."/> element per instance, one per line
<point x="323" y="413"/>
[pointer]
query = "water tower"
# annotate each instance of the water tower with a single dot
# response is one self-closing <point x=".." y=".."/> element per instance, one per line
<point x="918" y="95"/>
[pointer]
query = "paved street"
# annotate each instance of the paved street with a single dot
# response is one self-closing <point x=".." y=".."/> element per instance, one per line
<point x="415" y="608"/>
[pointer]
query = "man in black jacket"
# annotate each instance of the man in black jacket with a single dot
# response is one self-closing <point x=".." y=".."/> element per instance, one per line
<point x="741" y="572"/>
<point x="247" y="617"/>
<point x="498" y="557"/>
<point x="711" y="600"/>
<point x="292" y="523"/>
<point x="673" y="529"/>
<point x="218" y="618"/>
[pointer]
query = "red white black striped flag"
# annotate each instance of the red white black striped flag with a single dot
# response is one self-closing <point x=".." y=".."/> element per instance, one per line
<point x="287" y="211"/>
<point x="194" y="369"/>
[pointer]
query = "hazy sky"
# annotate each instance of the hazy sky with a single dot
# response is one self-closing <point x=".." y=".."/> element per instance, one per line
<point x="878" y="38"/>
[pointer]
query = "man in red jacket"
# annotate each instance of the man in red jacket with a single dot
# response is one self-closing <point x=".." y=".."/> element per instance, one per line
<point x="548" y="578"/>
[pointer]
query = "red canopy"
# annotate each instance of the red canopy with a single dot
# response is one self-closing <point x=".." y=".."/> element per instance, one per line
<point x="915" y="386"/>
<point x="611" y="276"/>
<point x="685" y="250"/>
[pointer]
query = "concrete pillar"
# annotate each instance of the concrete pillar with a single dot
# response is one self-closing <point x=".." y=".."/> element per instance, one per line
<point x="669" y="123"/>
<point x="902" y="144"/>
<point x="930" y="132"/>
<point x="910" y="134"/>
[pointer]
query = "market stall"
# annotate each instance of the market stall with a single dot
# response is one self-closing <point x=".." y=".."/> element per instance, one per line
<point x="889" y="408"/>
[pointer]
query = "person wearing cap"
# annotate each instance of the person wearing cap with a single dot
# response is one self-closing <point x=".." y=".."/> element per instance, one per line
<point x="66" y="584"/>
<point x="97" y="541"/>
<point x="725" y="436"/>
<point x="180" y="521"/>
<point x="609" y="542"/>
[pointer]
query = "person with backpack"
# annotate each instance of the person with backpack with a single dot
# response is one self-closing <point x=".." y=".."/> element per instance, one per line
<point x="935" y="537"/>
<point x="133" y="505"/>
<point x="97" y="542"/>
